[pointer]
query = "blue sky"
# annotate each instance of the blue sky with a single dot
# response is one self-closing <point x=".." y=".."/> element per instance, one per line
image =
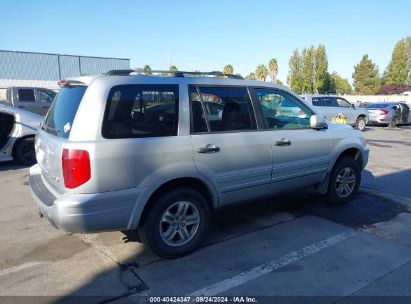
<point x="206" y="35"/>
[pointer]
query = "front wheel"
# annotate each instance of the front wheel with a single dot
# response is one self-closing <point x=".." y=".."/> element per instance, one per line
<point x="360" y="124"/>
<point x="176" y="223"/>
<point x="344" y="182"/>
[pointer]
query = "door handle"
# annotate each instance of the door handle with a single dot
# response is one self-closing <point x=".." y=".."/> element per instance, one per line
<point x="283" y="142"/>
<point x="45" y="107"/>
<point x="209" y="149"/>
<point x="21" y="107"/>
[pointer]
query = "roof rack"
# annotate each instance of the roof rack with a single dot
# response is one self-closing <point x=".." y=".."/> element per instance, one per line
<point x="173" y="73"/>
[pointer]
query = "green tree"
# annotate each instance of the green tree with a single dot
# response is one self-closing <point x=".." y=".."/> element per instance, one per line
<point x="251" y="76"/>
<point x="322" y="77"/>
<point x="147" y="69"/>
<point x="261" y="72"/>
<point x="295" y="77"/>
<point x="308" y="70"/>
<point x="366" y="77"/>
<point x="339" y="85"/>
<point x="228" y="69"/>
<point x="273" y="68"/>
<point x="399" y="69"/>
<point x="173" y="68"/>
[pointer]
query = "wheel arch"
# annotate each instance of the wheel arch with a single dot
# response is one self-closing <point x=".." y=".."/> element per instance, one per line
<point x="18" y="140"/>
<point x="351" y="152"/>
<point x="191" y="182"/>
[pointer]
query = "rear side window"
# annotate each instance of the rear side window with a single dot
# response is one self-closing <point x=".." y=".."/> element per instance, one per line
<point x="317" y="102"/>
<point x="221" y="109"/>
<point x="134" y="111"/>
<point x="61" y="114"/>
<point x="329" y="102"/>
<point x="26" y="95"/>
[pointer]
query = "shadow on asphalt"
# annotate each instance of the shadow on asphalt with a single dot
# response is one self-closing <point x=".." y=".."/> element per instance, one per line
<point x="11" y="165"/>
<point x="362" y="211"/>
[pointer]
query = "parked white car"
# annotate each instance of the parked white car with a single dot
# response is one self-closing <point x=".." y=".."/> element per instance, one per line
<point x="17" y="131"/>
<point x="338" y="109"/>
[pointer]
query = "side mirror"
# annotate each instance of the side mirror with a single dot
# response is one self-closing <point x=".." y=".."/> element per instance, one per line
<point x="352" y="106"/>
<point x="318" y="122"/>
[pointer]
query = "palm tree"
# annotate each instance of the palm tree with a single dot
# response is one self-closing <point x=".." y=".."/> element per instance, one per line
<point x="147" y="69"/>
<point x="273" y="68"/>
<point x="173" y="68"/>
<point x="228" y="69"/>
<point x="261" y="72"/>
<point x="251" y="76"/>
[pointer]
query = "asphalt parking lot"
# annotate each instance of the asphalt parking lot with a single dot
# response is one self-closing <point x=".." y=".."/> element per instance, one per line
<point x="287" y="246"/>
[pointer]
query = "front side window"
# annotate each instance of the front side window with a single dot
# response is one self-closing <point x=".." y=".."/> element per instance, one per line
<point x="221" y="109"/>
<point x="141" y="111"/>
<point x="342" y="103"/>
<point x="44" y="96"/>
<point x="282" y="111"/>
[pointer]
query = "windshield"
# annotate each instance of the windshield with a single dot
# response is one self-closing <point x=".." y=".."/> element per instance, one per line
<point x="61" y="115"/>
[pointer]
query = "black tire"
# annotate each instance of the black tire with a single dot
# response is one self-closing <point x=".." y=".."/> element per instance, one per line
<point x="333" y="196"/>
<point x="24" y="152"/>
<point x="360" y="124"/>
<point x="150" y="231"/>
<point x="393" y="123"/>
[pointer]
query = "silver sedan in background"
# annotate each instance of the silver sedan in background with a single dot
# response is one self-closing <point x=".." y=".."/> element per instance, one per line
<point x="389" y="113"/>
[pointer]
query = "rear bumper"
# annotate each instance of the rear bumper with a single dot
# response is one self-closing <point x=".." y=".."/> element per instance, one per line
<point x="379" y="120"/>
<point x="115" y="210"/>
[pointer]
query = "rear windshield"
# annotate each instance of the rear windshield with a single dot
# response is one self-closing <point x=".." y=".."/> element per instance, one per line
<point x="60" y="118"/>
<point x="377" y="106"/>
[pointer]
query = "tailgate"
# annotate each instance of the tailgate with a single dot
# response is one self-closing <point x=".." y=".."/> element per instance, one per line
<point x="49" y="149"/>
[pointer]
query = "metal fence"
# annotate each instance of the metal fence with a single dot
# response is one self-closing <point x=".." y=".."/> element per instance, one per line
<point x="51" y="67"/>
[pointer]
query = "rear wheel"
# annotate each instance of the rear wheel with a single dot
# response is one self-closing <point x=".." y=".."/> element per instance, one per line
<point x="360" y="124"/>
<point x="176" y="223"/>
<point x="393" y="123"/>
<point x="24" y="151"/>
<point x="344" y="182"/>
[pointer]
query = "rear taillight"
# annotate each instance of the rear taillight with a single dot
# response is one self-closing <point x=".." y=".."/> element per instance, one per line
<point x="76" y="167"/>
<point x="383" y="112"/>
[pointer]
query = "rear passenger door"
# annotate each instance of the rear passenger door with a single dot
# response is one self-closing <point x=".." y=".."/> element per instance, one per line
<point x="301" y="155"/>
<point x="228" y="148"/>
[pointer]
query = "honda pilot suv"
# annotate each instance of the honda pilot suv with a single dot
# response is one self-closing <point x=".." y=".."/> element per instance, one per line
<point x="157" y="154"/>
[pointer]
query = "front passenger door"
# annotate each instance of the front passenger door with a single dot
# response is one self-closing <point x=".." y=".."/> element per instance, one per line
<point x="301" y="155"/>
<point x="227" y="147"/>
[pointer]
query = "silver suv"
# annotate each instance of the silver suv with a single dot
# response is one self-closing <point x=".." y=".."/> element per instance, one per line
<point x="126" y="151"/>
<point x="339" y="110"/>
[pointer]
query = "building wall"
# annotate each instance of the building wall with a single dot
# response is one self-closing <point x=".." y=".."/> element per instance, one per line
<point x="44" y="70"/>
<point x="356" y="99"/>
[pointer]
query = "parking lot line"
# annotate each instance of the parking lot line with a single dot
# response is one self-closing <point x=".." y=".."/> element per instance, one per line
<point x="19" y="267"/>
<point x="271" y="266"/>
